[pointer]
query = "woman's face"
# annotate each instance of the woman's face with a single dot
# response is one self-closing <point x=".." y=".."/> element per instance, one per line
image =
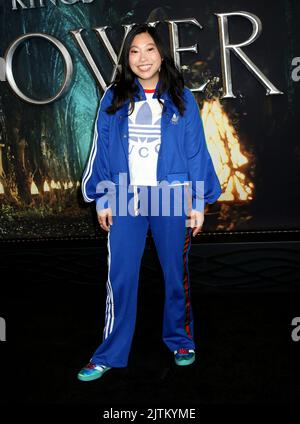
<point x="145" y="60"/>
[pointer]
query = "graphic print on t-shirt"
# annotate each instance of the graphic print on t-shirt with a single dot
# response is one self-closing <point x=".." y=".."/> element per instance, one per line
<point x="144" y="126"/>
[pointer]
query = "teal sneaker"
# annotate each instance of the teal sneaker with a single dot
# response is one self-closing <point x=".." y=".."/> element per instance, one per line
<point x="184" y="356"/>
<point x="92" y="372"/>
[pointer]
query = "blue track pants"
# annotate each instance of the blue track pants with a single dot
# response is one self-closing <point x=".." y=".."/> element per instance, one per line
<point x="125" y="243"/>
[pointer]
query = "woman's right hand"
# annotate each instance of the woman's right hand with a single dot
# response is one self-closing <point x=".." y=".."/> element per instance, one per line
<point x="105" y="218"/>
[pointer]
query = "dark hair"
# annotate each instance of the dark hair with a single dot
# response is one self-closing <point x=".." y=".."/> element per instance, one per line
<point x="171" y="79"/>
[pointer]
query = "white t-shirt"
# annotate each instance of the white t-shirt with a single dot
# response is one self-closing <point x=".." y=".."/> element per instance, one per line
<point x="144" y="127"/>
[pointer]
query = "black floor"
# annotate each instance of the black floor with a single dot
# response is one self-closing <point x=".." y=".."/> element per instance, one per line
<point x="244" y="297"/>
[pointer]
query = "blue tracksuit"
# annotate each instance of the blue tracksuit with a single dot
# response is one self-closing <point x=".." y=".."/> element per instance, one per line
<point x="183" y="157"/>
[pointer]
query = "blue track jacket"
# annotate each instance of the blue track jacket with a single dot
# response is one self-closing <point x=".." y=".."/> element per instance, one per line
<point x="183" y="155"/>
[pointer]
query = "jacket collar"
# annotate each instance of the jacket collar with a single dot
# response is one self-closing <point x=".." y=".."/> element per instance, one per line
<point x="141" y="93"/>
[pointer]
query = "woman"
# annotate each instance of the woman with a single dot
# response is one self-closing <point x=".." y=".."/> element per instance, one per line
<point x="148" y="140"/>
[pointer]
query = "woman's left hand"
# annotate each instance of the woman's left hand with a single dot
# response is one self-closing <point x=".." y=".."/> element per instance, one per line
<point x="196" y="221"/>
